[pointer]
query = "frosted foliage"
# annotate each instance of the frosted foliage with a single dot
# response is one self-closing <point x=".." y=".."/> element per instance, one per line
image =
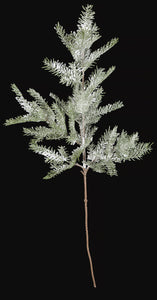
<point x="74" y="119"/>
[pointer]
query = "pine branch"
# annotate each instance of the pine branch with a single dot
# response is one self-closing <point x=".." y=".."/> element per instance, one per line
<point x="68" y="75"/>
<point x="97" y="77"/>
<point x="56" y="170"/>
<point x="110" y="107"/>
<point x="128" y="147"/>
<point x="91" y="59"/>
<point x="94" y="114"/>
<point x="49" y="154"/>
<point x="41" y="132"/>
<point x="82" y="108"/>
<point x="113" y="148"/>
<point x="39" y="100"/>
<point x="21" y="100"/>
<point x="59" y="161"/>
<point x="66" y="39"/>
<point x="74" y="119"/>
<point x="37" y="111"/>
<point x="86" y="18"/>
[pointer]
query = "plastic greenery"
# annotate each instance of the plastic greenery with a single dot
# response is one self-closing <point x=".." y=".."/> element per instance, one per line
<point x="83" y="109"/>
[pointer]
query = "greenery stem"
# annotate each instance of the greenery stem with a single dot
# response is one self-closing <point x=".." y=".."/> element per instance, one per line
<point x="86" y="225"/>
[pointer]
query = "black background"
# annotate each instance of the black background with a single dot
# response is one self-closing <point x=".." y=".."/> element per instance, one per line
<point x="43" y="221"/>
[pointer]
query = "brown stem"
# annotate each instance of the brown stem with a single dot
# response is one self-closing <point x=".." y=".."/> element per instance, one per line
<point x="86" y="225"/>
<point x="84" y="172"/>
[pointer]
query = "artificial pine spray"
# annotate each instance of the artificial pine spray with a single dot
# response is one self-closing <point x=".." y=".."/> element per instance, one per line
<point x="83" y="109"/>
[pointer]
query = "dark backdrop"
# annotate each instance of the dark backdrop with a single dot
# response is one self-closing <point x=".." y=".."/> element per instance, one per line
<point x="43" y="221"/>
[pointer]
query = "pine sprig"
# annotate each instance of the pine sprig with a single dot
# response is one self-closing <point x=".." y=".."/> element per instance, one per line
<point x="74" y="120"/>
<point x="66" y="39"/>
<point x="97" y="77"/>
<point x="28" y="107"/>
<point x="110" y="107"/>
<point x="114" y="147"/>
<point x="49" y="154"/>
<point x="91" y="59"/>
<point x="68" y="75"/>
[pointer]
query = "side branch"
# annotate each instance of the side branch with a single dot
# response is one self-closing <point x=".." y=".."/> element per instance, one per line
<point x="78" y="165"/>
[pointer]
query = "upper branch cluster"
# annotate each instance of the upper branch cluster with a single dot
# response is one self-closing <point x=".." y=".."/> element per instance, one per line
<point x="82" y="108"/>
